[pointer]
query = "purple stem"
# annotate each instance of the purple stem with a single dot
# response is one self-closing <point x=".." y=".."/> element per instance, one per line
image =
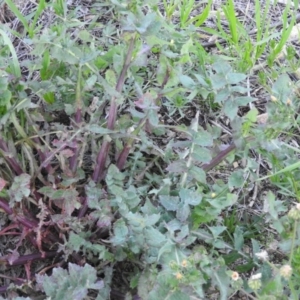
<point x="11" y="161"/>
<point x="123" y="156"/>
<point x="103" y="153"/>
<point x="220" y="157"/>
<point x="21" y="219"/>
<point x="100" y="162"/>
<point x="42" y="155"/>
<point x="5" y="206"/>
<point x="83" y="209"/>
<point x="27" y="258"/>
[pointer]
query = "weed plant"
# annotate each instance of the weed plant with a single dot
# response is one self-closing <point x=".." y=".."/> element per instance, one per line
<point x="109" y="191"/>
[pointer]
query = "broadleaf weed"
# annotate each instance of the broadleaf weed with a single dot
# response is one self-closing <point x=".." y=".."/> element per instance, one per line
<point x="123" y="183"/>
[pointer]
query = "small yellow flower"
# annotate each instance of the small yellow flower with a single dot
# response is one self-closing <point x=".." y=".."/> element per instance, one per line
<point x="172" y="264"/>
<point x="273" y="98"/>
<point x="294" y="213"/>
<point x="288" y="101"/>
<point x="255" y="282"/>
<point x="178" y="275"/>
<point x="286" y="271"/>
<point x="184" y="263"/>
<point x="213" y="195"/>
<point x="235" y="276"/>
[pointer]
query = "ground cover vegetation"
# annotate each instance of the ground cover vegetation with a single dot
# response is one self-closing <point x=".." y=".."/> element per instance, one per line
<point x="149" y="149"/>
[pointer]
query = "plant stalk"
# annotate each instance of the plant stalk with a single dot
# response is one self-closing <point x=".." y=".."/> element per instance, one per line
<point x="103" y="153"/>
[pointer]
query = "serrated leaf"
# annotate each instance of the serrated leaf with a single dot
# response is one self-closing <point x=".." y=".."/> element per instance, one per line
<point x="5" y="97"/>
<point x="131" y="197"/>
<point x="70" y="285"/>
<point x="201" y="80"/>
<point x="93" y="194"/>
<point x="189" y="197"/>
<point x="143" y="284"/>
<point x="152" y="220"/>
<point x="198" y="174"/>
<point x="120" y="233"/>
<point x="187" y="81"/>
<point x="202" y="138"/>
<point x="19" y="189"/>
<point x="201" y="154"/>
<point x="217" y="230"/>
<point x="230" y="109"/>
<point x="75" y="241"/>
<point x="243" y="100"/>
<point x="169" y="202"/>
<point x="222" y="280"/>
<point x="218" y="81"/>
<point x="222" y="95"/>
<point x="67" y="199"/>
<point x="222" y="67"/>
<point x="282" y="88"/>
<point x="234" y="78"/>
<point x="183" y="212"/>
<point x="270" y="205"/>
<point x="154" y="237"/>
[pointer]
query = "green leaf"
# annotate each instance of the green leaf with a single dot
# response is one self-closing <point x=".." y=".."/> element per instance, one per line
<point x="198" y="174"/>
<point x="5" y="97"/>
<point x="230" y="109"/>
<point x="169" y="203"/>
<point x="255" y="248"/>
<point x="201" y="154"/>
<point x="183" y="212"/>
<point x="282" y="88"/>
<point x="270" y="205"/>
<point x="238" y="238"/>
<point x="234" y="78"/>
<point x="76" y="241"/>
<point x="67" y="198"/>
<point x="221" y="278"/>
<point x="217" y="230"/>
<point x="98" y="129"/>
<point x="152" y="220"/>
<point x="222" y="95"/>
<point x="120" y="233"/>
<point x="70" y="285"/>
<point x="189" y="197"/>
<point x="218" y="81"/>
<point x="178" y="295"/>
<point x="236" y="179"/>
<point x="187" y="81"/>
<point x="222" y="67"/>
<point x="252" y="115"/>
<point x="202" y="138"/>
<point x="20" y="188"/>
<point x="110" y="77"/>
<point x="154" y="237"/>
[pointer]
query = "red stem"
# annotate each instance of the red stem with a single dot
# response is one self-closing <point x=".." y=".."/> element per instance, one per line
<point x="103" y="153"/>
<point x="11" y="161"/>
